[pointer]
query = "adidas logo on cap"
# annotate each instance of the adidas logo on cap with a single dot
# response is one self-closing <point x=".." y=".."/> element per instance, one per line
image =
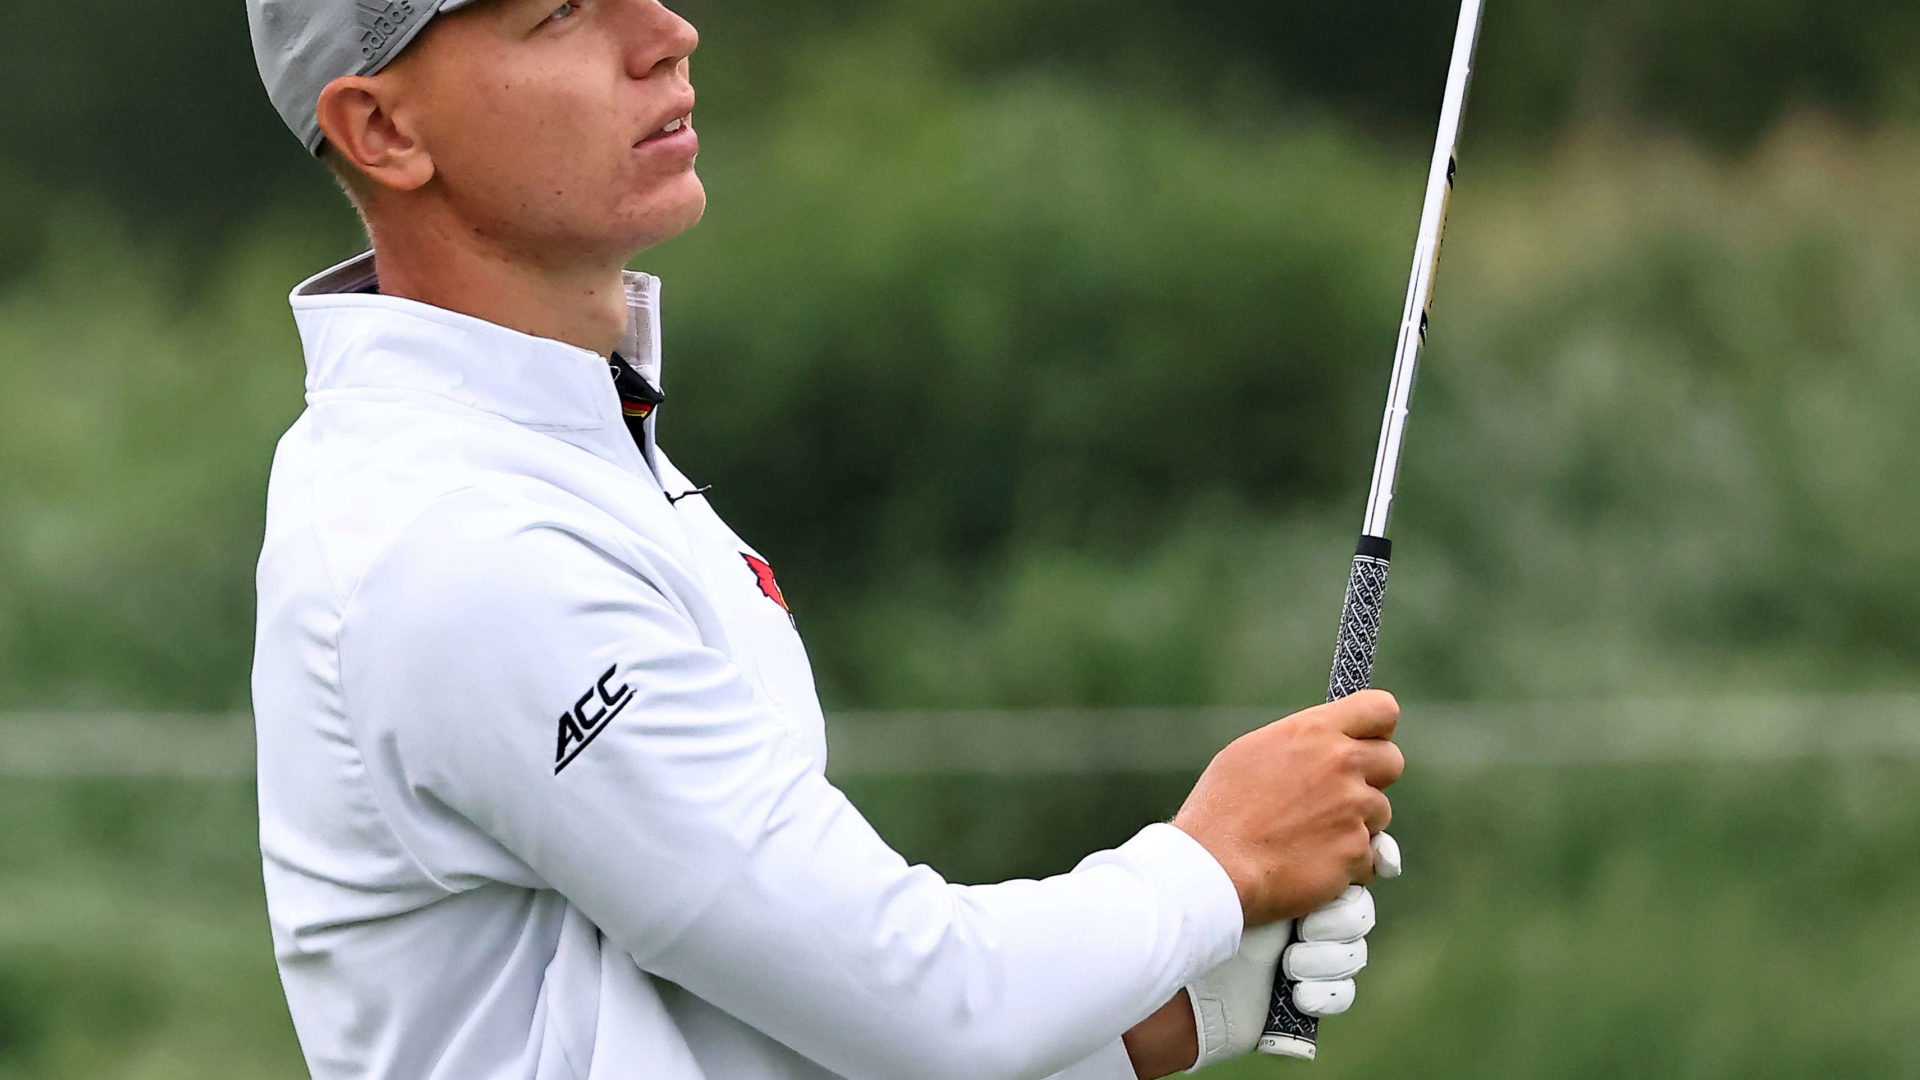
<point x="381" y="23"/>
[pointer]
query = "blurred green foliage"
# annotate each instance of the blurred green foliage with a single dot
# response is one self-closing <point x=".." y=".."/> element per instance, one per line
<point x="1042" y="344"/>
<point x="155" y="109"/>
<point x="1713" y="923"/>
<point x="1041" y="395"/>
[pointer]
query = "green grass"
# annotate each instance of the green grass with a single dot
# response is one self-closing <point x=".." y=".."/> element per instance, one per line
<point x="1673" y="921"/>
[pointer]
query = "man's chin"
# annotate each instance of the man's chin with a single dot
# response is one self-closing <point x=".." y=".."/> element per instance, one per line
<point x="663" y="222"/>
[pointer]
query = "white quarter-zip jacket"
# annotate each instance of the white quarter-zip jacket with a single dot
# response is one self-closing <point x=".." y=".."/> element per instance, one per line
<point x="542" y="770"/>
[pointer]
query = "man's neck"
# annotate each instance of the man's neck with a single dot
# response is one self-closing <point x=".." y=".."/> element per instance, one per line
<point x="450" y="267"/>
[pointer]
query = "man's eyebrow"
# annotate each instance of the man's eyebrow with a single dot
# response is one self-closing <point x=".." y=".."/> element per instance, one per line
<point x="499" y="7"/>
<point x="513" y="9"/>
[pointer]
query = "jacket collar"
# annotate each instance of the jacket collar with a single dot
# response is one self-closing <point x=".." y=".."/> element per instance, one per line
<point x="358" y="339"/>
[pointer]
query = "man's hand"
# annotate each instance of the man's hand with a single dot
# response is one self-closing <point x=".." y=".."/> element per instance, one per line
<point x="1220" y="1016"/>
<point x="1290" y="810"/>
<point x="1230" y="1002"/>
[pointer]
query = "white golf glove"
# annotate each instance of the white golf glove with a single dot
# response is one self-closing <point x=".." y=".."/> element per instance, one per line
<point x="1230" y="1002"/>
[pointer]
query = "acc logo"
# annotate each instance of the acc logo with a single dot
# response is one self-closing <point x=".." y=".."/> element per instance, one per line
<point x="379" y="23"/>
<point x="764" y="574"/>
<point x="578" y="727"/>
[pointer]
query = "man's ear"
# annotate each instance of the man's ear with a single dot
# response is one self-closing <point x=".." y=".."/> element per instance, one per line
<point x="357" y="118"/>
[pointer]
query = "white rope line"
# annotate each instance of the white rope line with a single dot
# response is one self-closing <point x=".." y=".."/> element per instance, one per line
<point x="1056" y="742"/>
<point x="1453" y="736"/>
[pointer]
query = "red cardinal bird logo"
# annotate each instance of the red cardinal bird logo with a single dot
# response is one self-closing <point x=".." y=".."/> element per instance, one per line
<point x="764" y="574"/>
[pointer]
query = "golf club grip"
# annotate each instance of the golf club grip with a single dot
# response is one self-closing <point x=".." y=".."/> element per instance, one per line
<point x="1360" y="620"/>
<point x="1290" y="1032"/>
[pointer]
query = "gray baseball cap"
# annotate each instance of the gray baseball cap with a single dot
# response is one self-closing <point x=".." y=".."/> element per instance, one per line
<point x="302" y="45"/>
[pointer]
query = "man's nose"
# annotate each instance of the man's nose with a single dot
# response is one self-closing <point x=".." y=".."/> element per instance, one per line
<point x="659" y="37"/>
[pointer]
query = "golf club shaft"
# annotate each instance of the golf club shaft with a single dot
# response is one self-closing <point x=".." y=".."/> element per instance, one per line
<point x="1290" y="1032"/>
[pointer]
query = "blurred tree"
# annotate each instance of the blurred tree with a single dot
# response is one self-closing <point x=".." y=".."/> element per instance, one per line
<point x="155" y="109"/>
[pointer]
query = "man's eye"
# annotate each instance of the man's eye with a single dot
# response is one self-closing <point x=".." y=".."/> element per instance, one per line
<point x="564" y="11"/>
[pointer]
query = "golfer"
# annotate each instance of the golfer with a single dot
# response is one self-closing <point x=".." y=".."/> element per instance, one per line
<point x="541" y="765"/>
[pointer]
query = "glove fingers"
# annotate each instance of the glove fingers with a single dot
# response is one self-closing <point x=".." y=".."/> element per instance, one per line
<point x="1348" y="917"/>
<point x="1325" y="960"/>
<point x="1386" y="857"/>
<point x="1323" y="998"/>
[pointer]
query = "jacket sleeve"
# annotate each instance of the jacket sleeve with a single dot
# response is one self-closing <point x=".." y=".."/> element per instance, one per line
<point x="1110" y="1062"/>
<point x="554" y="697"/>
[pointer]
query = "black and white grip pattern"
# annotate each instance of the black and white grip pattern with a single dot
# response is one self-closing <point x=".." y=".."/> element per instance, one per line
<point x="1290" y="1032"/>
<point x="1359" y="628"/>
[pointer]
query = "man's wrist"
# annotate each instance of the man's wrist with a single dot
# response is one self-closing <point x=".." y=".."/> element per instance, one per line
<point x="1166" y="1042"/>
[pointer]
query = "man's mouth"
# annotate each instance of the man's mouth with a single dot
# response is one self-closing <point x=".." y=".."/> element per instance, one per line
<point x="672" y="127"/>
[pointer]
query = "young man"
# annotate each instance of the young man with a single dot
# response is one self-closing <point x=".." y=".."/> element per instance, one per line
<point x="541" y="765"/>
